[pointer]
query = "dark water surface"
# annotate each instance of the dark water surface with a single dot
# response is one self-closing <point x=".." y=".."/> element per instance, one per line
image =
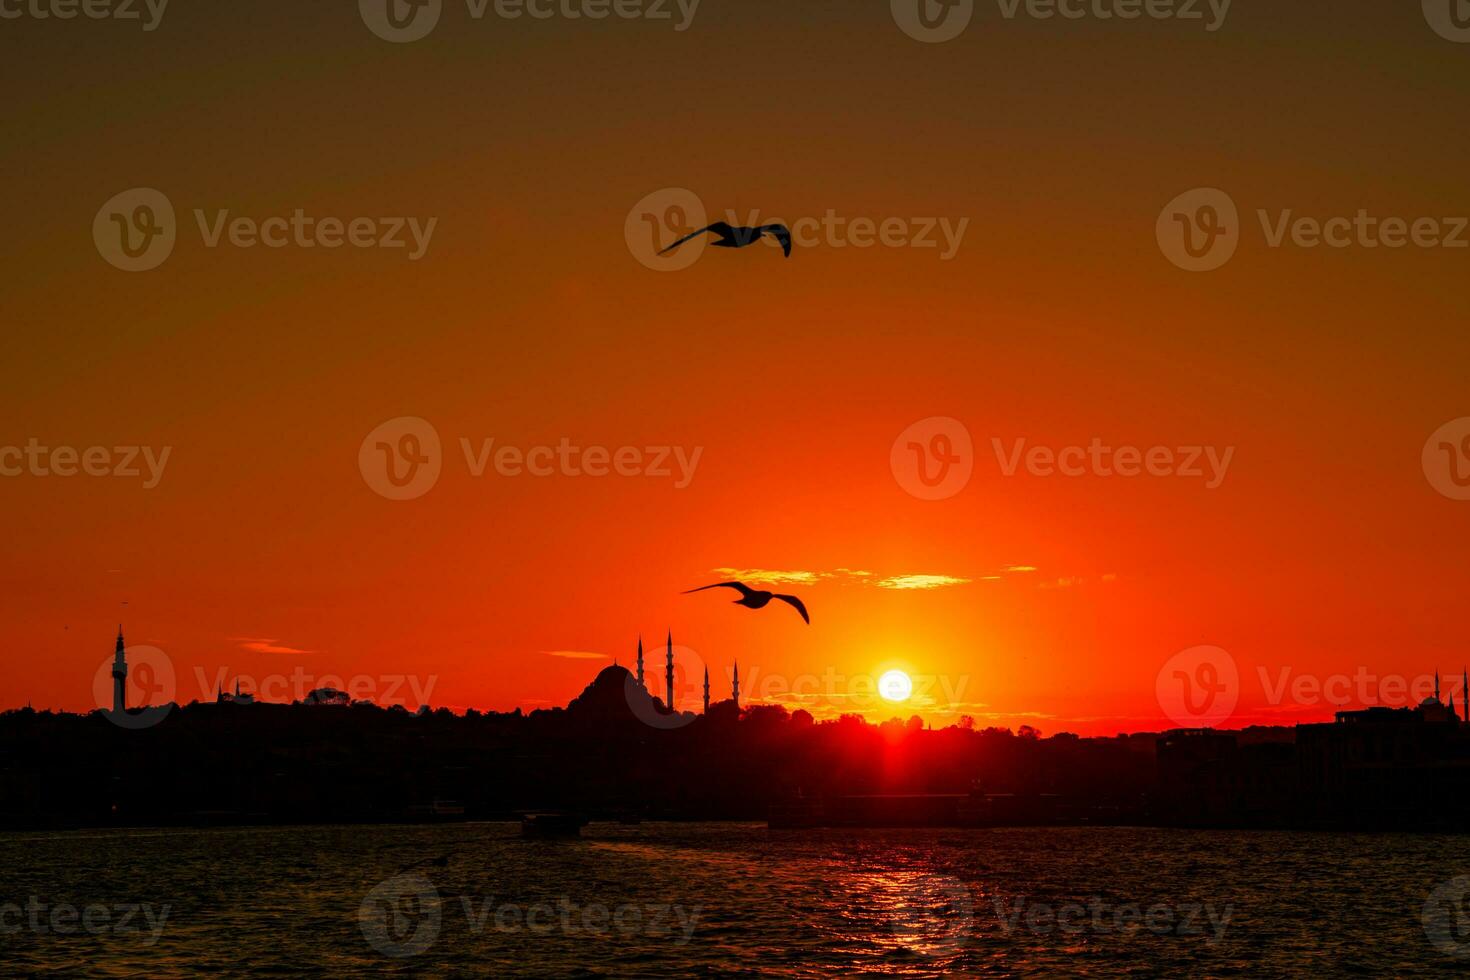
<point x="676" y="900"/>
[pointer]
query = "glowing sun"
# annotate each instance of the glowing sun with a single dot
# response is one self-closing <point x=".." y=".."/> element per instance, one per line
<point x="895" y="686"/>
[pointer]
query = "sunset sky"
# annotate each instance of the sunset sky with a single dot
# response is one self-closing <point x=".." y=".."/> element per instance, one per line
<point x="1053" y="601"/>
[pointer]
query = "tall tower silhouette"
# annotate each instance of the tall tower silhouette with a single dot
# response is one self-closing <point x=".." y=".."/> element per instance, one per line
<point x="640" y="660"/>
<point x="706" y="690"/>
<point x="735" y="687"/>
<point x="119" y="675"/>
<point x="669" y="672"/>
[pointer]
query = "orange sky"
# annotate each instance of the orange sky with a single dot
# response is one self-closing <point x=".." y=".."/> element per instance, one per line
<point x="263" y="551"/>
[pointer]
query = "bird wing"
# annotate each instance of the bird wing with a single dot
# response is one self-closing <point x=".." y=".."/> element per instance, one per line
<point x="800" y="606"/>
<point x="744" y="590"/>
<point x="720" y="228"/>
<point x="783" y="235"/>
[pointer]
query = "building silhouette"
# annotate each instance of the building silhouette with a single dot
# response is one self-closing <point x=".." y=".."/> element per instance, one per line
<point x="637" y="677"/>
<point x="119" y="675"/>
<point x="1370" y="768"/>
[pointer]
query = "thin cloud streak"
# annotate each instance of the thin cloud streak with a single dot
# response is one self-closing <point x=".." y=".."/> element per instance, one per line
<point x="910" y="582"/>
<point x="765" y="576"/>
<point x="256" y="644"/>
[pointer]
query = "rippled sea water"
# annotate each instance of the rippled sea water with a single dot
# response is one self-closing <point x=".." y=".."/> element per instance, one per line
<point x="677" y="900"/>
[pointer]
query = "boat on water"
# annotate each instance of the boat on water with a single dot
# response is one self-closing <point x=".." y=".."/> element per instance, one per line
<point x="552" y="824"/>
<point x="439" y="811"/>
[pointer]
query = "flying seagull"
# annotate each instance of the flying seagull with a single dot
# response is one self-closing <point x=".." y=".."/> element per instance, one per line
<point x="740" y="237"/>
<point x="756" y="598"/>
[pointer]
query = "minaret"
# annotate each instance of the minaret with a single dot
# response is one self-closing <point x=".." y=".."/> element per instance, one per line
<point x="669" y="672"/>
<point x="1436" y="683"/>
<point x="640" y="662"/>
<point x="706" y="690"/>
<point x="119" y="675"/>
<point x="735" y="687"/>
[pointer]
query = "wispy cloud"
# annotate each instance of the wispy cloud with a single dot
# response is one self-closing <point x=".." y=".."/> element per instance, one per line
<point x="766" y="576"/>
<point x="907" y="582"/>
<point x="576" y="654"/>
<point x="257" y="644"/>
<point x="1067" y="582"/>
<point x="912" y="582"/>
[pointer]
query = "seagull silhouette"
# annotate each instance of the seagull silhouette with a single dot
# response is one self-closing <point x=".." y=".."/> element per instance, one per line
<point x="756" y="598"/>
<point x="739" y="237"/>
